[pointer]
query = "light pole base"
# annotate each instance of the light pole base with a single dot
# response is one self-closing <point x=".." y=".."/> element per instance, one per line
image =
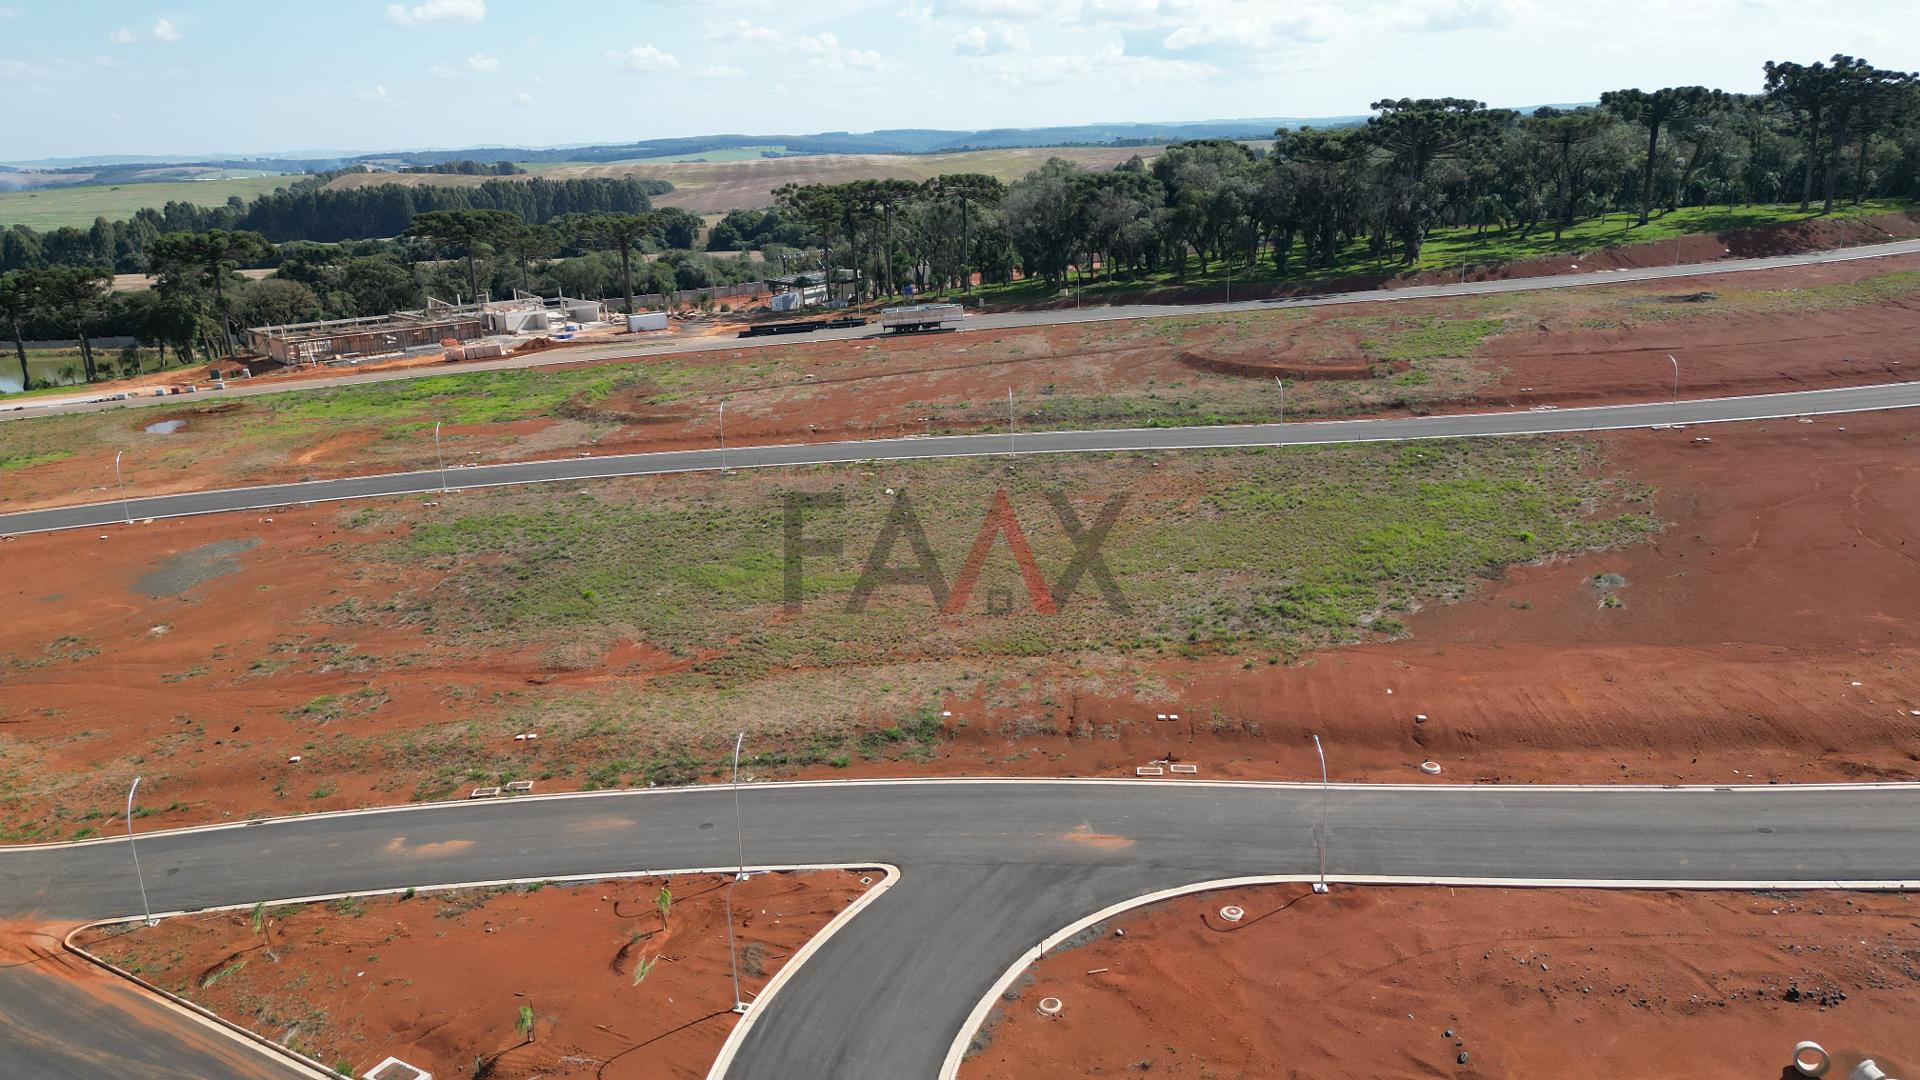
<point x="1320" y="887"/>
<point x="151" y="922"/>
<point x="740" y="1007"/>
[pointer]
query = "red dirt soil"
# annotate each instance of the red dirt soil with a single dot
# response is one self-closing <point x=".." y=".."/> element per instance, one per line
<point x="438" y="979"/>
<point x="1785" y="578"/>
<point x="1400" y="982"/>
<point x="1767" y="635"/>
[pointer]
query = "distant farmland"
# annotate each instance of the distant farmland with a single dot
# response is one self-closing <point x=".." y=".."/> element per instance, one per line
<point x="50" y="208"/>
<point x="715" y="187"/>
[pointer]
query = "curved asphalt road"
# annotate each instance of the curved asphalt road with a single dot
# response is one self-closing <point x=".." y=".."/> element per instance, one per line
<point x="988" y="869"/>
<point x="27" y="407"/>
<point x="1526" y="422"/>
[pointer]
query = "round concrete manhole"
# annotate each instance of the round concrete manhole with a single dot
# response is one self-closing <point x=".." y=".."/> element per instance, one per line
<point x="1811" y="1059"/>
<point x="1233" y="913"/>
<point x="1431" y="768"/>
<point x="1051" y="1006"/>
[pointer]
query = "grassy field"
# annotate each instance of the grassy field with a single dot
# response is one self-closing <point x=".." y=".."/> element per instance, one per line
<point x="716" y="186"/>
<point x="64" y="366"/>
<point x="741" y="153"/>
<point x="51" y="208"/>
<point x="1451" y="248"/>
<point x="1261" y="549"/>
<point x="1260" y="554"/>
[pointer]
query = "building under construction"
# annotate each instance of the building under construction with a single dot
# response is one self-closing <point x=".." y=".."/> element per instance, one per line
<point x="348" y="340"/>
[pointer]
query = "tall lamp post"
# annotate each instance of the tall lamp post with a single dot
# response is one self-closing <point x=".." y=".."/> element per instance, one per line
<point x="441" y="456"/>
<point x="1012" y="426"/>
<point x="1321" y="834"/>
<point x="739" y="1004"/>
<point x="145" y="908"/>
<point x="723" y="447"/>
<point x="126" y="509"/>
<point x="1676" y="378"/>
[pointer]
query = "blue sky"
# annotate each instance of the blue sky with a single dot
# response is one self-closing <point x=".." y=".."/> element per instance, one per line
<point x="258" y="76"/>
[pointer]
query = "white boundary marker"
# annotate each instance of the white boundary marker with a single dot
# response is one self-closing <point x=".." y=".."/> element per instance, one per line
<point x="309" y="1067"/>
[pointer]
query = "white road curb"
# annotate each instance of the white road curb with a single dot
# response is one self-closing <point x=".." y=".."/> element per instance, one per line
<point x="957" y="1050"/>
<point x="308" y="1067"/>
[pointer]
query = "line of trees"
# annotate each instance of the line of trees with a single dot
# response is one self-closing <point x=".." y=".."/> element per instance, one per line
<point x="309" y="210"/>
<point x="199" y="301"/>
<point x="1824" y="133"/>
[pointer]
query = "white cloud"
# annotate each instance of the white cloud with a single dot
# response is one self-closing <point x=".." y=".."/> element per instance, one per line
<point x="644" y="58"/>
<point x="1430" y="16"/>
<point x="1112" y="65"/>
<point x="719" y="71"/>
<point x="999" y="38"/>
<point x="437" y="11"/>
<point x="482" y="64"/>
<point x="819" y="44"/>
<point x="164" y="30"/>
<point x="122" y="36"/>
<point x="742" y="31"/>
<point x="829" y="57"/>
<point x="9" y="12"/>
<point x="378" y="96"/>
<point x="523" y="98"/>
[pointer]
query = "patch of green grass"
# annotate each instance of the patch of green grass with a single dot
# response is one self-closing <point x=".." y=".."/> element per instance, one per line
<point x="29" y="460"/>
<point x="1215" y="551"/>
<point x="1432" y="338"/>
<point x="51" y="208"/>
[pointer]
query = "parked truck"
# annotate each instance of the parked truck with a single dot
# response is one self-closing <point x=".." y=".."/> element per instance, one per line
<point x="915" y="318"/>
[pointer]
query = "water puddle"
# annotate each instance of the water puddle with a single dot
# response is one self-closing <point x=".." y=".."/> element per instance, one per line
<point x="191" y="569"/>
<point x="166" y="427"/>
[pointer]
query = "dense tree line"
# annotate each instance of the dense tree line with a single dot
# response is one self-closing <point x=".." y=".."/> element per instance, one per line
<point x="200" y="301"/>
<point x="468" y="167"/>
<point x="1821" y="134"/>
<point x="308" y="210"/>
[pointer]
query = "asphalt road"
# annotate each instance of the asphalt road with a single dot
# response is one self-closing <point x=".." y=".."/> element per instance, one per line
<point x="641" y="347"/>
<point x="1601" y="418"/>
<point x="989" y="868"/>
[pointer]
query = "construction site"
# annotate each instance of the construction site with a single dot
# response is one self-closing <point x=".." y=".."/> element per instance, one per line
<point x="496" y="328"/>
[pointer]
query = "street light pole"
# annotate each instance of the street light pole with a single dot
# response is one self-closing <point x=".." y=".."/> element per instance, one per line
<point x="723" y="436"/>
<point x="1280" y="414"/>
<point x="1321" y="885"/>
<point x="145" y="908"/>
<point x="1012" y="426"/>
<point x="1676" y="378"/>
<point x="126" y="509"/>
<point x="441" y="456"/>
<point x="739" y="1005"/>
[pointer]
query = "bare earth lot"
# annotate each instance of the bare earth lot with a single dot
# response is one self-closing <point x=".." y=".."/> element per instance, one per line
<point x="1471" y="984"/>
<point x="623" y="979"/>
<point x="398" y="647"/>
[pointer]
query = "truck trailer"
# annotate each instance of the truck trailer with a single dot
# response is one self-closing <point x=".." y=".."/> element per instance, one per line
<point x="915" y="318"/>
